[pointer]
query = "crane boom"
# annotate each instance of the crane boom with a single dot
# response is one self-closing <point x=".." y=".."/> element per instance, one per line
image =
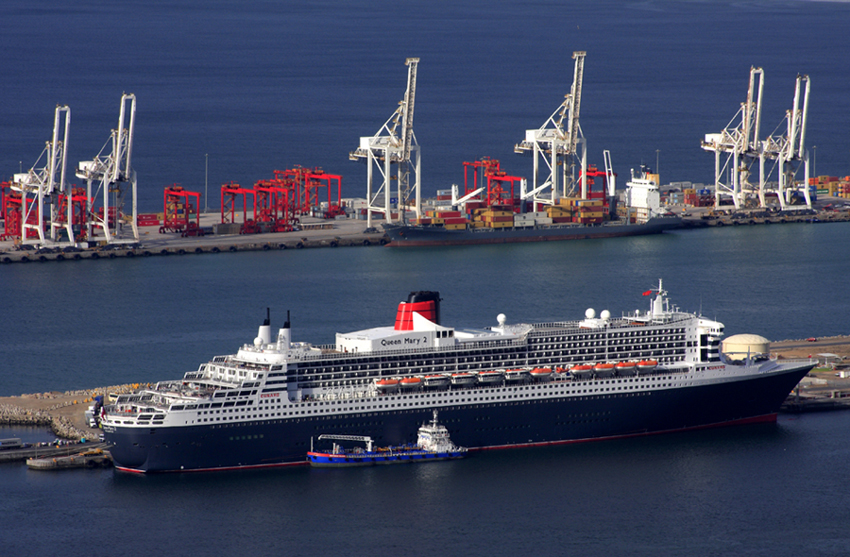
<point x="575" y="94"/>
<point x="409" y="100"/>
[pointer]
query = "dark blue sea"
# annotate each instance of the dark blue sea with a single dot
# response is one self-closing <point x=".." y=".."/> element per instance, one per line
<point x="264" y="85"/>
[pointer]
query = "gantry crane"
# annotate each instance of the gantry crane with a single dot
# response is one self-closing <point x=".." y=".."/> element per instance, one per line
<point x="739" y="141"/>
<point x="44" y="186"/>
<point x="559" y="142"/>
<point x="741" y="144"/>
<point x="113" y="175"/>
<point x="789" y="150"/>
<point x="387" y="147"/>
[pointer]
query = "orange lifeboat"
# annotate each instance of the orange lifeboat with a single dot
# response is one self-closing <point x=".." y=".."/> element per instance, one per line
<point x="582" y="370"/>
<point x="626" y="368"/>
<point x="604" y="370"/>
<point x="645" y="366"/>
<point x="386" y="385"/>
<point x="410" y="383"/>
<point x="541" y="373"/>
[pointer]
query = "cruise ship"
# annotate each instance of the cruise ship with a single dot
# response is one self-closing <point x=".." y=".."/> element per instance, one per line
<point x="505" y="386"/>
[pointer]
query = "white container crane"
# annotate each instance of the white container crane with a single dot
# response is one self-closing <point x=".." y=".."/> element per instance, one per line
<point x="112" y="175"/>
<point x="559" y="143"/>
<point x="387" y="147"/>
<point x="43" y="186"/>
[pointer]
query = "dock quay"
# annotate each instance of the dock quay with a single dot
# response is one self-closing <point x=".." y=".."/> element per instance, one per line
<point x="320" y="233"/>
<point x="314" y="233"/>
<point x="826" y="388"/>
<point x="51" y="451"/>
<point x="94" y="457"/>
<point x="705" y="217"/>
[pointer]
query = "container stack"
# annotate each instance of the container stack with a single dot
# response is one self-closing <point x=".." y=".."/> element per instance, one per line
<point x="495" y="216"/>
<point x="451" y="220"/>
<point x="831" y="185"/>
<point x="561" y="213"/>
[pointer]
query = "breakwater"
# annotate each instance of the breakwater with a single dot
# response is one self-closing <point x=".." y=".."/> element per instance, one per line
<point x="62" y="413"/>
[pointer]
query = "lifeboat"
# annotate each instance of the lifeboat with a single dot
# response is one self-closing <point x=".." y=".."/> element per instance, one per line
<point x="463" y="379"/>
<point x="582" y="370"/>
<point x="440" y="381"/>
<point x="604" y="370"/>
<point x="516" y="375"/>
<point x="409" y="383"/>
<point x="625" y="369"/>
<point x="387" y="385"/>
<point x="541" y="373"/>
<point x="646" y="366"/>
<point x="490" y="377"/>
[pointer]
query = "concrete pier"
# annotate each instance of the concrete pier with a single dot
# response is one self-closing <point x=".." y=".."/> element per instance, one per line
<point x="315" y="233"/>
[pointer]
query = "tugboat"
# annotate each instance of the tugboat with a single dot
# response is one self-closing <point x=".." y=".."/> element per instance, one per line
<point x="433" y="444"/>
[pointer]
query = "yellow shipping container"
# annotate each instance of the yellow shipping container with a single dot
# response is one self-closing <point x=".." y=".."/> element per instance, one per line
<point x="454" y="226"/>
<point x="500" y="224"/>
<point x="477" y="224"/>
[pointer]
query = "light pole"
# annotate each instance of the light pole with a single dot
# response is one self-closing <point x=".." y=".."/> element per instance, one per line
<point x="206" y="182"/>
<point x="658" y="172"/>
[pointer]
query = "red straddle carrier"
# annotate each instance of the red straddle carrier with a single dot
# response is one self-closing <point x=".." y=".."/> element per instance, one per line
<point x="426" y="304"/>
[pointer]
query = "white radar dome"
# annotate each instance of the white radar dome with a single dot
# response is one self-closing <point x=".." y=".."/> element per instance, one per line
<point x="258" y="342"/>
<point x="605" y="314"/>
<point x="501" y="319"/>
<point x="590" y="313"/>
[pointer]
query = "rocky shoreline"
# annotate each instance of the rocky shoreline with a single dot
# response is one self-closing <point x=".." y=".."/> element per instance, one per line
<point x="62" y="413"/>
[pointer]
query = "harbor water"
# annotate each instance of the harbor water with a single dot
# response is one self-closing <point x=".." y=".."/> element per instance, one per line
<point x="273" y="85"/>
<point x="758" y="490"/>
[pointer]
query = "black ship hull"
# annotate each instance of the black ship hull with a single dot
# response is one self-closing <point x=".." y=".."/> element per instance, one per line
<point x="498" y="423"/>
<point x="411" y="236"/>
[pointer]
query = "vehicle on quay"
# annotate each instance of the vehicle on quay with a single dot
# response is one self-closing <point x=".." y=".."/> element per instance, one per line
<point x="11" y="443"/>
<point x="261" y="406"/>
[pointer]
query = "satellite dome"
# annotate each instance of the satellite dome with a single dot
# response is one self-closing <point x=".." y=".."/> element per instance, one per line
<point x="501" y="319"/>
<point x="590" y="313"/>
<point x="258" y="342"/>
<point x="605" y="314"/>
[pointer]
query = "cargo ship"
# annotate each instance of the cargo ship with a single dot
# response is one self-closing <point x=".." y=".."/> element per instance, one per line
<point x="402" y="235"/>
<point x="568" y="218"/>
<point x="504" y="386"/>
<point x="433" y="444"/>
